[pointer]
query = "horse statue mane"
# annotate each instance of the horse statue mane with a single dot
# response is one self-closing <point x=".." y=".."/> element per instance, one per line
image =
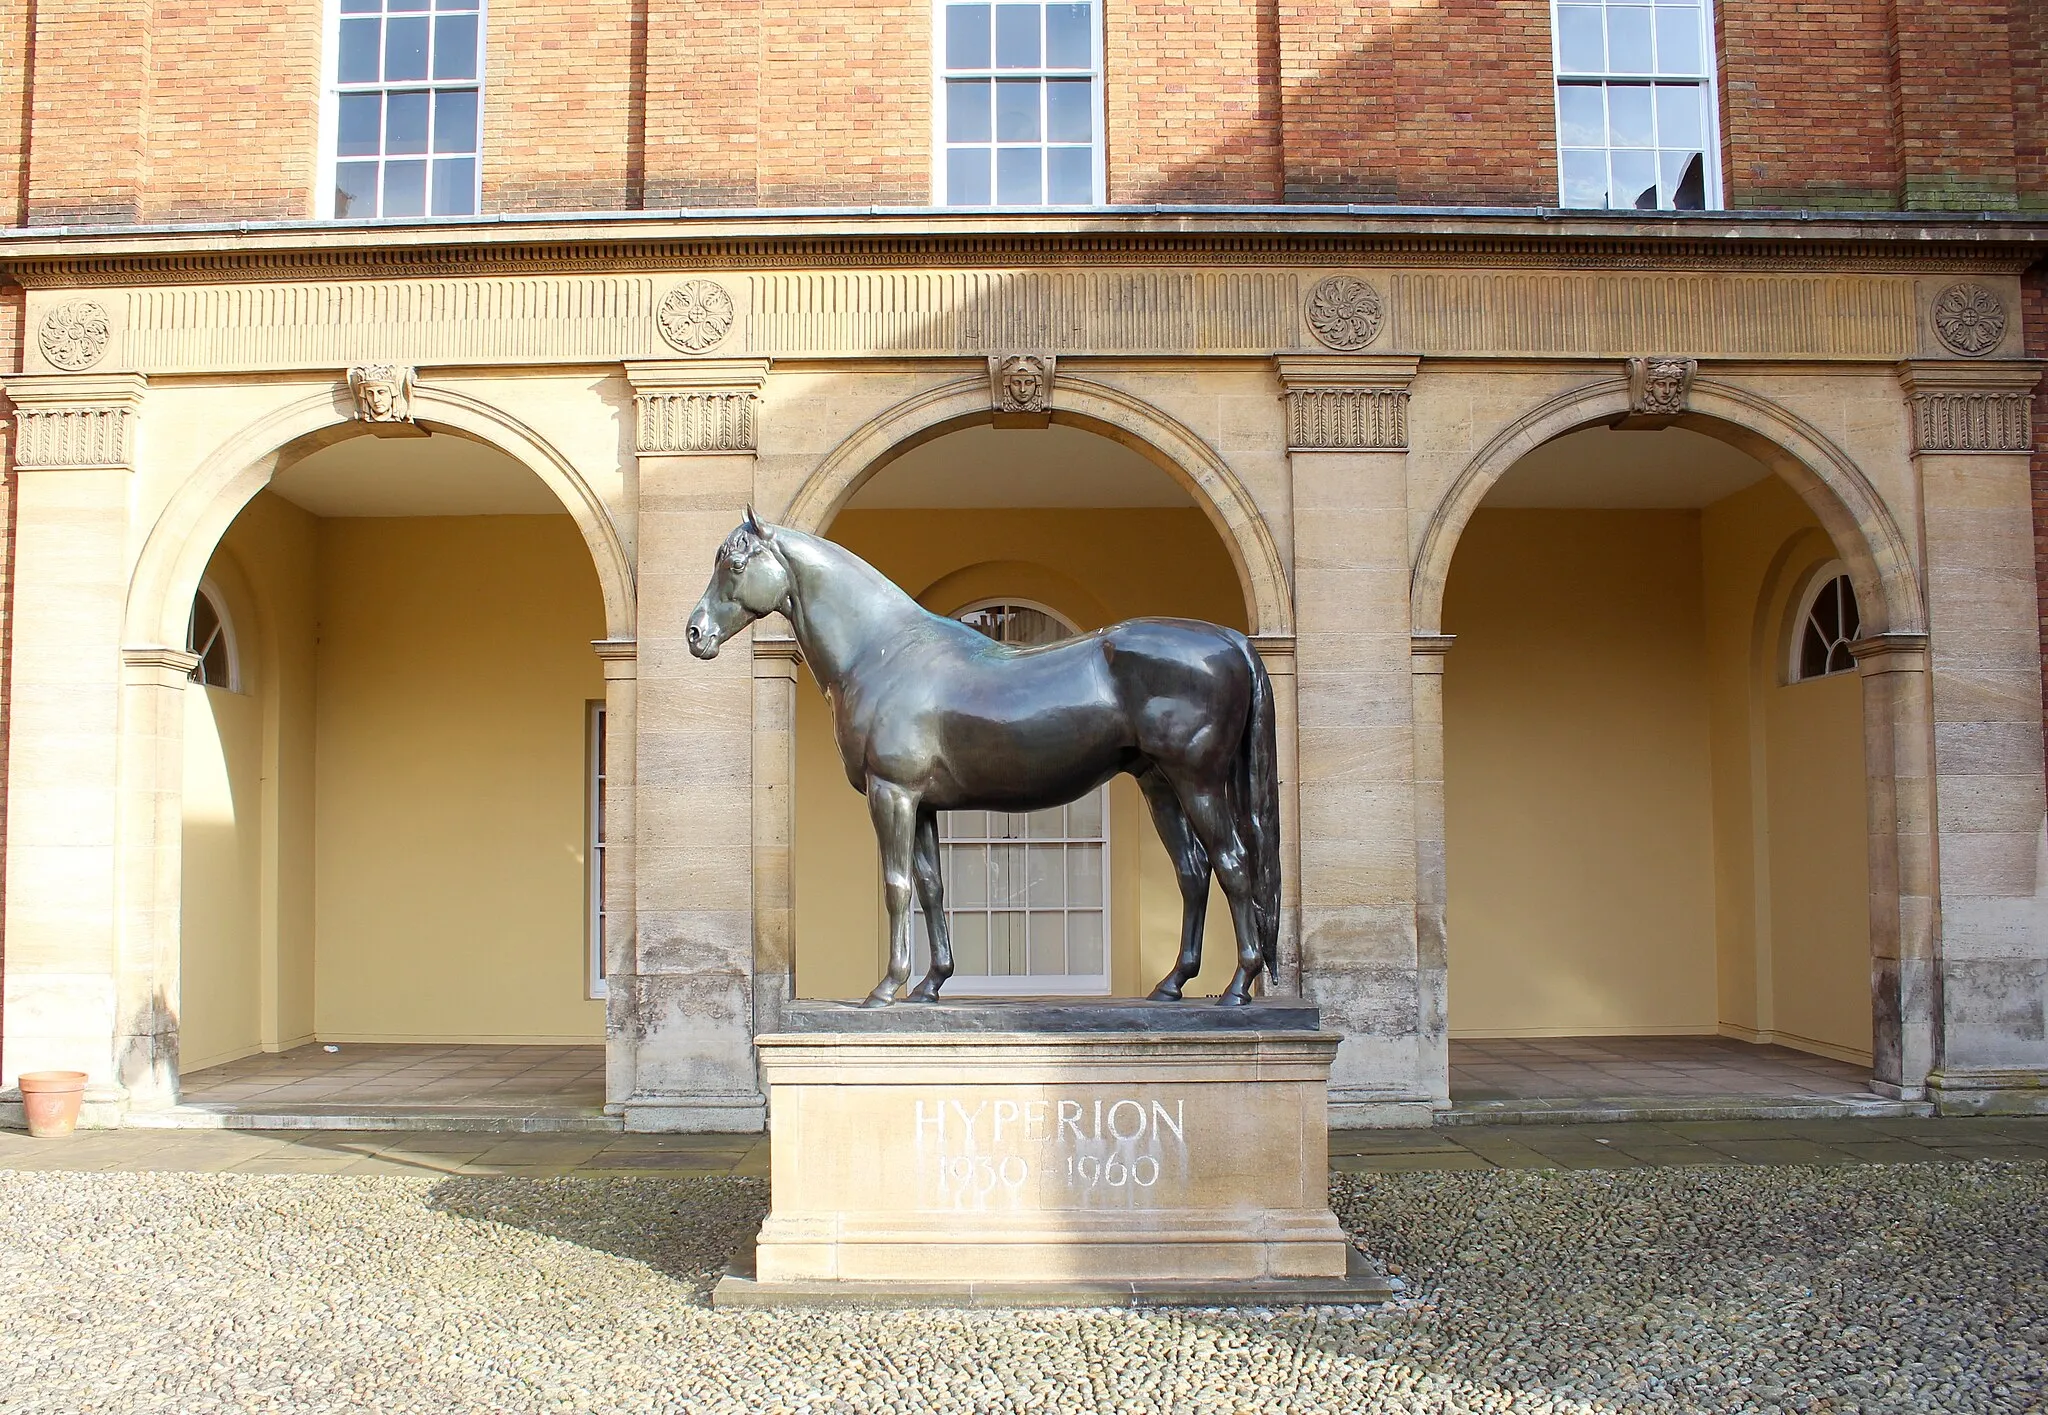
<point x="931" y="715"/>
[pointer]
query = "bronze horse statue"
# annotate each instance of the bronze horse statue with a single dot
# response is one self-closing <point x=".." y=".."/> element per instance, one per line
<point x="933" y="716"/>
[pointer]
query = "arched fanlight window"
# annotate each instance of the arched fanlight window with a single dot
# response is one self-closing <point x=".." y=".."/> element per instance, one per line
<point x="1027" y="895"/>
<point x="1828" y="622"/>
<point x="211" y="635"/>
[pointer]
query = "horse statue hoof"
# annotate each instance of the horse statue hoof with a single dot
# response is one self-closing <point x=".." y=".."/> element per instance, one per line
<point x="1232" y="998"/>
<point x="1163" y="993"/>
<point x="926" y="991"/>
<point x="882" y="996"/>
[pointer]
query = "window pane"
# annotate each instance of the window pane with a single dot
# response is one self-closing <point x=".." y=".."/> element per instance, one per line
<point x="455" y="120"/>
<point x="1585" y="178"/>
<point x="1005" y="945"/>
<point x="355" y="189"/>
<point x="970" y="944"/>
<point x="395" y="5"/>
<point x="357" y="63"/>
<point x="1084" y="944"/>
<point x="455" y="47"/>
<point x="964" y="825"/>
<point x="1678" y="42"/>
<point x="1635" y="180"/>
<point x="1826" y="613"/>
<point x="405" y="49"/>
<point x="967" y="877"/>
<point x="1678" y="115"/>
<point x="1841" y="660"/>
<point x="1069" y="110"/>
<point x="1047" y="825"/>
<point x="1046" y="886"/>
<point x="967" y="176"/>
<point x="1070" y="176"/>
<point x="1084" y="817"/>
<point x="1628" y="39"/>
<point x="361" y="7"/>
<point x="405" y="189"/>
<point x="967" y="110"/>
<point x="967" y="36"/>
<point x="1084" y="876"/>
<point x="1018" y="177"/>
<point x="1017" y="36"/>
<point x="1685" y="181"/>
<point x="1629" y="122"/>
<point x="405" y="122"/>
<point x="1008" y="880"/>
<point x="454" y="4"/>
<point x="1852" y="619"/>
<point x="1581" y="118"/>
<point x="1578" y="39"/>
<point x="362" y="121"/>
<point x="1048" y="945"/>
<point x="1069" y="36"/>
<point x="1017" y="113"/>
<point x="1813" y="653"/>
<point x="454" y="186"/>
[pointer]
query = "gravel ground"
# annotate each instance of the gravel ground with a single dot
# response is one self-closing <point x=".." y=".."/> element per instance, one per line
<point x="1908" y="1288"/>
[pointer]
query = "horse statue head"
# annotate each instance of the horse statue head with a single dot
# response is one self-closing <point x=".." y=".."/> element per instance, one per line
<point x="749" y="579"/>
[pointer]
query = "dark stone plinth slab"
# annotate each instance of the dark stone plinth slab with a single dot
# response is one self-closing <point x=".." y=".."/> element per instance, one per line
<point x="1365" y="1283"/>
<point x="1062" y="1015"/>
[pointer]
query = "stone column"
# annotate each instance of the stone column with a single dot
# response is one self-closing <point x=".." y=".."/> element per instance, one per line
<point x="1973" y="437"/>
<point x="1359" y="957"/>
<point x="682" y="1010"/>
<point x="81" y="989"/>
<point x="621" y="891"/>
<point x="775" y="665"/>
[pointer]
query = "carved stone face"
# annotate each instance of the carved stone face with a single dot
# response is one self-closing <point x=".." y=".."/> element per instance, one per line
<point x="1024" y="383"/>
<point x="380" y="399"/>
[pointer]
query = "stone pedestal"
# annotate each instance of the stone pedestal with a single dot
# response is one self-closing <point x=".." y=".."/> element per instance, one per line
<point x="1050" y="1152"/>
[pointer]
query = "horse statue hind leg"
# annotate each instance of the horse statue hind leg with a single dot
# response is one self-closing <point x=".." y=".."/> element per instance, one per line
<point x="1191" y="866"/>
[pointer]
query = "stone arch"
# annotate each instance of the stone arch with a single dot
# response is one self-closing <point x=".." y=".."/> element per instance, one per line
<point x="1840" y="496"/>
<point x="180" y="543"/>
<point x="1109" y="412"/>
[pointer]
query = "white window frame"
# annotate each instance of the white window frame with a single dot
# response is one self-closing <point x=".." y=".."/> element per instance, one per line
<point x="1099" y="183"/>
<point x="1816" y="581"/>
<point x="1709" y="79"/>
<point x="210" y="592"/>
<point x="330" y="115"/>
<point x="595" y="761"/>
<point x="1030" y="985"/>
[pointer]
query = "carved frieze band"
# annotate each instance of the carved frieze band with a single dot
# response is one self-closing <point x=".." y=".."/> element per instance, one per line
<point x="82" y="422"/>
<point x="706" y="405"/>
<point x="948" y="313"/>
<point x="1973" y="407"/>
<point x="1340" y="404"/>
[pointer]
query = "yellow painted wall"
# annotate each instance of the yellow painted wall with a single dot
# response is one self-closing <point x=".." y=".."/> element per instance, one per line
<point x="1577" y="776"/>
<point x="454" y="669"/>
<point x="246" y="979"/>
<point x="1094" y="566"/>
<point x="1793" y="861"/>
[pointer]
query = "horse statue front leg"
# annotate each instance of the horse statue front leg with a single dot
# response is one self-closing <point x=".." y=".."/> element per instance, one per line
<point x="894" y="812"/>
<point x="931" y="893"/>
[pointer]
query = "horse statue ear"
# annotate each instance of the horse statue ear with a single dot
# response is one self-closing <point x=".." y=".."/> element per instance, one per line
<point x="753" y="524"/>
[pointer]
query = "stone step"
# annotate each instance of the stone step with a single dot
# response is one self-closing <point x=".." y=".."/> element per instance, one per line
<point x="1594" y="1110"/>
<point x="505" y="1120"/>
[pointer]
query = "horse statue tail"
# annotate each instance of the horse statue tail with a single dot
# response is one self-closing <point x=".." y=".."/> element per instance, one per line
<point x="1260" y="756"/>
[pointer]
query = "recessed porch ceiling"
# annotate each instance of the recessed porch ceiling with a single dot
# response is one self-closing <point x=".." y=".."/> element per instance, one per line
<point x="987" y="467"/>
<point x="440" y="475"/>
<point x="1670" y="469"/>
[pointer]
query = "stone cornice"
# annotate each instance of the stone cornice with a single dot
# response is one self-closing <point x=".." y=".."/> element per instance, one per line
<point x="64" y="257"/>
<point x="1961" y="405"/>
<point x="66" y="421"/>
<point x="696" y="406"/>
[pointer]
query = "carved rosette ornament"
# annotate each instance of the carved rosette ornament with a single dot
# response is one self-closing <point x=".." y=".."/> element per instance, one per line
<point x="1660" y="387"/>
<point x="1969" y="319"/>
<point x="1345" y="313"/>
<point x="74" y="335"/>
<point x="695" y="315"/>
<point x="382" y="392"/>
<point x="1020" y="388"/>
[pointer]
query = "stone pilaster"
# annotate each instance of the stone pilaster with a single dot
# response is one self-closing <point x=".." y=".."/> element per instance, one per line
<point x="775" y="672"/>
<point x="1972" y="447"/>
<point x="82" y="992"/>
<point x="683" y="1015"/>
<point x="621" y="660"/>
<point x="1359" y="957"/>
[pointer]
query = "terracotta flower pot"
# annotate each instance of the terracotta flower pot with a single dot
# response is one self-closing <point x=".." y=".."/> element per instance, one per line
<point x="50" y="1100"/>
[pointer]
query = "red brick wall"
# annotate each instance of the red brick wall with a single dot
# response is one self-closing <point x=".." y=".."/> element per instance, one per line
<point x="846" y="102"/>
<point x="1193" y="98"/>
<point x="703" y="114"/>
<point x="1954" y="95"/>
<point x="89" y="111"/>
<point x="1423" y="101"/>
<point x="560" y="108"/>
<point x="17" y="55"/>
<point x="1806" y="104"/>
<point x="233" y="137"/>
<point x="2029" y="29"/>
